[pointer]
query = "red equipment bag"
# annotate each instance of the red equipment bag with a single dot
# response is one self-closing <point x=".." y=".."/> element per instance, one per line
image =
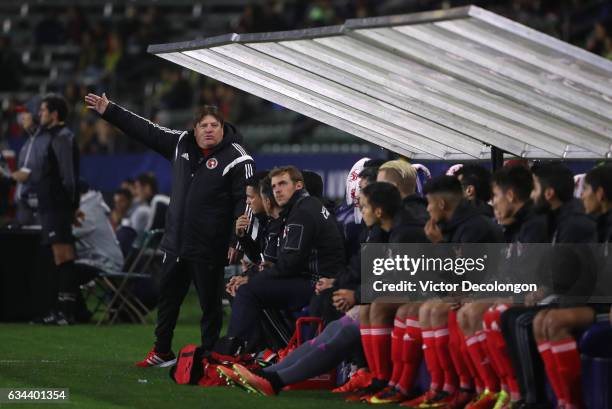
<point x="195" y="367"/>
<point x="323" y="381"/>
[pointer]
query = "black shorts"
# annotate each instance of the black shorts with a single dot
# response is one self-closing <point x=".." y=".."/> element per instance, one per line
<point x="56" y="227"/>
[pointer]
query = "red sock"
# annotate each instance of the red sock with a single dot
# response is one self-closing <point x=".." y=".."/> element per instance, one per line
<point x="552" y="371"/>
<point x="481" y="361"/>
<point x="479" y="386"/>
<point x="381" y="347"/>
<point x="455" y="341"/>
<point x="366" y="342"/>
<point x="442" y="351"/>
<point x="567" y="360"/>
<point x="499" y="350"/>
<point x="411" y="354"/>
<point x="431" y="359"/>
<point x="397" y="340"/>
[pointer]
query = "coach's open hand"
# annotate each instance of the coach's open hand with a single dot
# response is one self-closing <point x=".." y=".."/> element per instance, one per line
<point x="96" y="102"/>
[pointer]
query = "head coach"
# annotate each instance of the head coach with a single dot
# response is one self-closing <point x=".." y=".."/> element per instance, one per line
<point x="209" y="170"/>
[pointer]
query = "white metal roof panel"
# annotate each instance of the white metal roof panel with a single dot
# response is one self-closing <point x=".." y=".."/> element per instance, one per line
<point x="445" y="84"/>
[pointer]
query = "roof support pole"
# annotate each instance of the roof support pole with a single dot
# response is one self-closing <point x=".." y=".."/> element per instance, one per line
<point x="497" y="158"/>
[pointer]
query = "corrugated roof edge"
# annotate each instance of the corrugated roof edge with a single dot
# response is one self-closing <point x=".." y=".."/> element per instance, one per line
<point x="407" y="19"/>
<point x="309" y="33"/>
<point x="245" y="38"/>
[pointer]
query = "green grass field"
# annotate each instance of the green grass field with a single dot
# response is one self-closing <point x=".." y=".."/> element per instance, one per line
<point x="96" y="364"/>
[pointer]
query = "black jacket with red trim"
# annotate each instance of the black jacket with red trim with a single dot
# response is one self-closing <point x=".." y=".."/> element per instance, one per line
<point x="208" y="192"/>
<point x="310" y="244"/>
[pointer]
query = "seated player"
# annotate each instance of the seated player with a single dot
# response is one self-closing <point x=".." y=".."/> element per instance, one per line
<point x="555" y="328"/>
<point x="383" y="324"/>
<point x="476" y="183"/>
<point x="567" y="223"/>
<point x="485" y="345"/>
<point x="311" y="247"/>
<point x="379" y="203"/>
<point x="268" y="236"/>
<point x="453" y="219"/>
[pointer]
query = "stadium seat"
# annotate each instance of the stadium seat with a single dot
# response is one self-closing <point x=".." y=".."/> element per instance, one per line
<point x="118" y="294"/>
<point x="159" y="207"/>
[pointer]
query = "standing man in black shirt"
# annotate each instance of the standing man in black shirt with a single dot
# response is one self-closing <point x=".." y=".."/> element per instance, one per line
<point x="58" y="200"/>
<point x="209" y="170"/>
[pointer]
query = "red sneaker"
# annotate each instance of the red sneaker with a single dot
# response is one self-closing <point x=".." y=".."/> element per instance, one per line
<point x="158" y="360"/>
<point x="254" y="383"/>
<point x="426" y="397"/>
<point x="361" y="395"/>
<point x="485" y="400"/>
<point x="442" y="400"/>
<point x="361" y="379"/>
<point x="387" y="395"/>
<point x="462" y="398"/>
<point x="230" y="377"/>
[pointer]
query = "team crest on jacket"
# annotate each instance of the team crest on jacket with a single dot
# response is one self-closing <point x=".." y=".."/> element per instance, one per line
<point x="212" y="163"/>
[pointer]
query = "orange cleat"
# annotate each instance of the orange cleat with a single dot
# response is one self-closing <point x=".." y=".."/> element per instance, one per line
<point x="361" y="379"/>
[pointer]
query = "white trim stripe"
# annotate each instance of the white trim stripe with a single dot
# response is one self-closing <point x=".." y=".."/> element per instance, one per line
<point x="177" y="144"/>
<point x="239" y="148"/>
<point x="502" y="307"/>
<point x="428" y="334"/>
<point x="163" y="128"/>
<point x="544" y="347"/>
<point x="235" y="162"/>
<point x="412" y="323"/>
<point x="365" y="331"/>
<point x="381" y="331"/>
<point x="568" y="346"/>
<point x="399" y="324"/>
<point x="471" y="340"/>
<point x="441" y="332"/>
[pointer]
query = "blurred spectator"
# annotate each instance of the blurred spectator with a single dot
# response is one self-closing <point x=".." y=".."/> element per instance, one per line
<point x="320" y="13"/>
<point x="130" y="24"/>
<point x="29" y="166"/>
<point x="50" y="31"/>
<point x="129" y="184"/>
<point x="95" y="243"/>
<point x="97" y="249"/>
<point x="176" y="92"/>
<point x="113" y="55"/>
<point x="11" y="67"/>
<point x="89" y="59"/>
<point x="87" y="138"/>
<point x="140" y="212"/>
<point x="76" y="24"/>
<point x="599" y="41"/>
<point x="246" y="22"/>
<point x="122" y="202"/>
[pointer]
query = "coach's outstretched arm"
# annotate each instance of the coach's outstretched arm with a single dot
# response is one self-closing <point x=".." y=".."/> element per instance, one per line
<point x="160" y="139"/>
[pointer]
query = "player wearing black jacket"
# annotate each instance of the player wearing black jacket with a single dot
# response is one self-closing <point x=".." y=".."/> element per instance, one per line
<point x="453" y="219"/>
<point x="567" y="223"/>
<point x="311" y="247"/>
<point x="209" y="170"/>
<point x="521" y="225"/>
<point x="58" y="200"/>
<point x="555" y="329"/>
